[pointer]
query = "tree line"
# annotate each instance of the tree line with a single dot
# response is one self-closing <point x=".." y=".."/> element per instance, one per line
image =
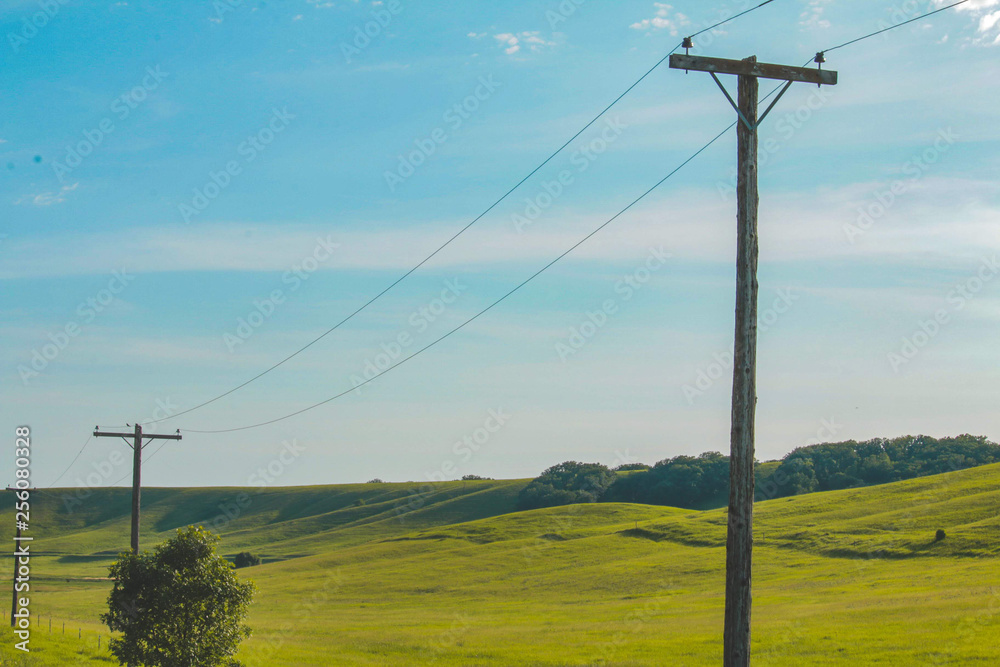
<point x="702" y="482"/>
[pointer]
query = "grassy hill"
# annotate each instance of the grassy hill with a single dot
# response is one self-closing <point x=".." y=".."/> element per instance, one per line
<point x="450" y="575"/>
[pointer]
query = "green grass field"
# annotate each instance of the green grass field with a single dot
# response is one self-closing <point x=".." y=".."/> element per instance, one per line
<point x="448" y="574"/>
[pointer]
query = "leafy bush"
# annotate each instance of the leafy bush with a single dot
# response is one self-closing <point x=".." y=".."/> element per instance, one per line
<point x="375" y="481"/>
<point x="939" y="535"/>
<point x="472" y="478"/>
<point x="245" y="559"/>
<point x="567" y="483"/>
<point x="181" y="590"/>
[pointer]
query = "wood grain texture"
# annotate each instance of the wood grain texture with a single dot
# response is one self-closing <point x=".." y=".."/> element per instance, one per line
<point x="739" y="539"/>
<point x="748" y="68"/>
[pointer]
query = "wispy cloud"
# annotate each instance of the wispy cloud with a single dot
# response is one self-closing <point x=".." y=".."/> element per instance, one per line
<point x="513" y="42"/>
<point x="988" y="13"/>
<point x="47" y="198"/>
<point x="664" y="19"/>
<point x="813" y="17"/>
<point x="922" y="228"/>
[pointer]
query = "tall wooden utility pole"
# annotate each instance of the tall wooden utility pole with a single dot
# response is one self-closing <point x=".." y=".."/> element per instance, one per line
<point x="136" y="446"/>
<point x="739" y="539"/>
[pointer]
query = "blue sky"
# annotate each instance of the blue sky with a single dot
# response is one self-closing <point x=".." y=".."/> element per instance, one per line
<point x="172" y="171"/>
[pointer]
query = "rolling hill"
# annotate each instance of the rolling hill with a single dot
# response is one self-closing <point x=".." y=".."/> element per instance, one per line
<point x="449" y="574"/>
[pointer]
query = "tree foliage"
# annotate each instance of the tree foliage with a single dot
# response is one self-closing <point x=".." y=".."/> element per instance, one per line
<point x="180" y="605"/>
<point x="699" y="482"/>
<point x="567" y="483"/>
<point x="683" y="481"/>
<point x="245" y="559"/>
<point x="851" y="464"/>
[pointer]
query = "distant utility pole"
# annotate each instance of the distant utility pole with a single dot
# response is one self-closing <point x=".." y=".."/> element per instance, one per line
<point x="739" y="539"/>
<point x="137" y="447"/>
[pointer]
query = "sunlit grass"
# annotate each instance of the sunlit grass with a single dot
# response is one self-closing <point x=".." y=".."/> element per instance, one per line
<point x="845" y="577"/>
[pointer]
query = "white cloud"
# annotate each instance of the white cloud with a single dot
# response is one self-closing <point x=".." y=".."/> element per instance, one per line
<point x="939" y="221"/>
<point x="665" y="19"/>
<point x="812" y="17"/>
<point x="512" y="42"/>
<point x="47" y="198"/>
<point x="988" y="12"/>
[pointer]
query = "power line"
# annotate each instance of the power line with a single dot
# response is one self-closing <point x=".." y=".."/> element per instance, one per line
<point x="484" y="310"/>
<point x="495" y="303"/>
<point x="75" y="458"/>
<point x="893" y="27"/>
<point x="724" y="21"/>
<point x="463" y="229"/>
<point x="573" y="247"/>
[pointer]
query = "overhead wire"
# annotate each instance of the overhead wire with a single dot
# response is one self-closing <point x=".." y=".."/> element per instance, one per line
<point x="893" y="27"/>
<point x="551" y="263"/>
<point x="463" y="229"/>
<point x="484" y="310"/>
<point x="71" y="463"/>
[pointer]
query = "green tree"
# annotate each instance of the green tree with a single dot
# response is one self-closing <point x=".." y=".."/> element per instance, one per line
<point x="245" y="559"/>
<point x="180" y="605"/>
<point x="566" y="483"/>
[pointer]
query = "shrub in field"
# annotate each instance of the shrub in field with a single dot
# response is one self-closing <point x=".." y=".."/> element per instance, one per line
<point x="246" y="559"/>
<point x="177" y="606"/>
